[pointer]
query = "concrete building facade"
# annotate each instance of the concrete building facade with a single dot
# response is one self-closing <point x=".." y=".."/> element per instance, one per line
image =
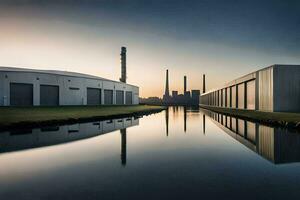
<point x="275" y="89"/>
<point x="28" y="87"/>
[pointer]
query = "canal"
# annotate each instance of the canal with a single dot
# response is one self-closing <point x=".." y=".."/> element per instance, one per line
<point x="180" y="153"/>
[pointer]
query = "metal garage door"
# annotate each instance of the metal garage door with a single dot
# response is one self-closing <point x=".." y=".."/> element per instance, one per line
<point x="49" y="95"/>
<point x="108" y="97"/>
<point x="119" y="97"/>
<point x="128" y="98"/>
<point x="93" y="96"/>
<point x="21" y="94"/>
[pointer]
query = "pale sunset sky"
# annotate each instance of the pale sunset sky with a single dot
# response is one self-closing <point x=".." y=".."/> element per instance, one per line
<point x="223" y="39"/>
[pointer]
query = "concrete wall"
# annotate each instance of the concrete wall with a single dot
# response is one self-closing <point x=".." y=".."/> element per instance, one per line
<point x="72" y="90"/>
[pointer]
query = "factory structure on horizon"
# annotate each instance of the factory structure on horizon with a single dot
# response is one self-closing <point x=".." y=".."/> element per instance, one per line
<point x="31" y="87"/>
<point x="187" y="98"/>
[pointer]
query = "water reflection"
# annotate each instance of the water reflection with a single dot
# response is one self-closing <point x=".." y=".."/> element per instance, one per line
<point x="203" y="123"/>
<point x="184" y="119"/>
<point x="33" y="138"/>
<point x="274" y="144"/>
<point x="167" y="121"/>
<point x="123" y="146"/>
<point x="204" y="163"/>
<point x="176" y="111"/>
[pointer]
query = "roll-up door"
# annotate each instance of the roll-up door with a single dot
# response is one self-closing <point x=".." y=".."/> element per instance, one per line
<point x="21" y="94"/>
<point x="119" y="97"/>
<point x="93" y="96"/>
<point x="128" y="98"/>
<point x="49" y="95"/>
<point x="108" y="97"/>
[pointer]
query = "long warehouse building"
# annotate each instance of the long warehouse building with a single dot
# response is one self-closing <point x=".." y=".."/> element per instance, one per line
<point x="29" y="87"/>
<point x="275" y="89"/>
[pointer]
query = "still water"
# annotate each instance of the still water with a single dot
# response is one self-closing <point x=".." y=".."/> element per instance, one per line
<point x="181" y="153"/>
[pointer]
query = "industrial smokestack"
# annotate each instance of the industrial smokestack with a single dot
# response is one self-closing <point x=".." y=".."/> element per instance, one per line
<point x="123" y="64"/>
<point x="184" y="84"/>
<point x="167" y="94"/>
<point x="204" y="90"/>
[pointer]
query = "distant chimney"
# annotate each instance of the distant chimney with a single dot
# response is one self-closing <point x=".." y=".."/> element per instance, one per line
<point x="123" y="64"/>
<point x="167" y="94"/>
<point x="184" y="84"/>
<point x="204" y="90"/>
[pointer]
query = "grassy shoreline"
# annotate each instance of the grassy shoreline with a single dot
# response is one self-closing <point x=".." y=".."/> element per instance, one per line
<point x="282" y="119"/>
<point x="18" y="117"/>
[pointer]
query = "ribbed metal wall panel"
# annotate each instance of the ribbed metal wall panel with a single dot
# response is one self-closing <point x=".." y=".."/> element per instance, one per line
<point x="3" y="98"/>
<point x="286" y="89"/>
<point x="241" y="96"/>
<point x="228" y="97"/>
<point x="250" y="96"/>
<point x="224" y="103"/>
<point x="265" y="91"/>
<point x="233" y="97"/>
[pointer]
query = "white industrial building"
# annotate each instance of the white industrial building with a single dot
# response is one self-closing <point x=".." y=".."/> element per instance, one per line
<point x="29" y="87"/>
<point x="275" y="88"/>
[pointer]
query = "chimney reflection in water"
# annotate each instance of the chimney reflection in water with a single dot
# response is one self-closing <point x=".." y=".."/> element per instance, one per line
<point x="184" y="118"/>
<point x="123" y="146"/>
<point x="177" y="114"/>
<point x="203" y="122"/>
<point x="167" y="121"/>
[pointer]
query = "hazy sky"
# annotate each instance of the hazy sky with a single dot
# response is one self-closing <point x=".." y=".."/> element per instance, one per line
<point x="223" y="39"/>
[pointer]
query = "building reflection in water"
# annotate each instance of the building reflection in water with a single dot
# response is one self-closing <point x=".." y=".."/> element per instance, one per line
<point x="176" y="112"/>
<point x="274" y="144"/>
<point x="47" y="136"/>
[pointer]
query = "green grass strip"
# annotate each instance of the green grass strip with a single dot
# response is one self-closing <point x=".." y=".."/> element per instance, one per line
<point x="284" y="119"/>
<point x="22" y="115"/>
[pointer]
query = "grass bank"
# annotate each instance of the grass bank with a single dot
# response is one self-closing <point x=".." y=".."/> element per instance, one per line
<point x="12" y="117"/>
<point x="283" y="119"/>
